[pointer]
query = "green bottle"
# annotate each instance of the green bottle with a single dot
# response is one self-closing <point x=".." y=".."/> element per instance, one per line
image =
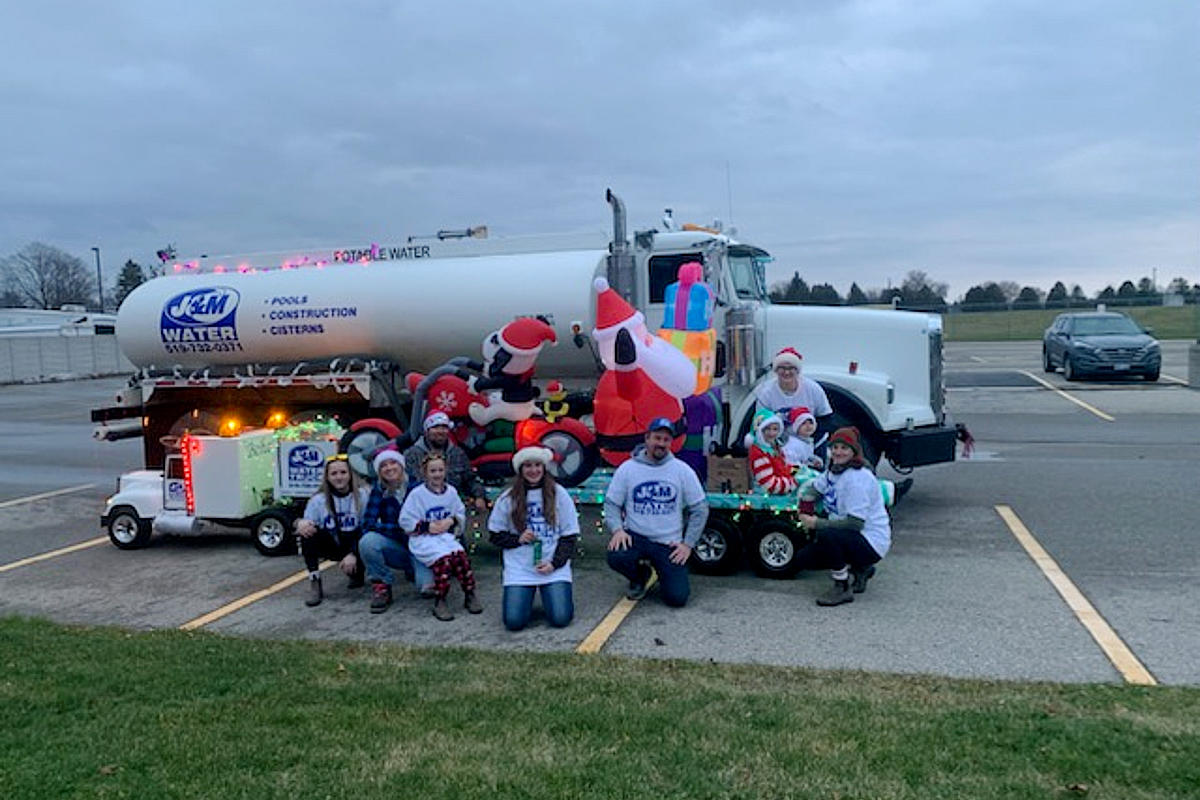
<point x="537" y="552"/>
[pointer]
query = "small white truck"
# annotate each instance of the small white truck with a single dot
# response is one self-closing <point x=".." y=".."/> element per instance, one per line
<point x="256" y="480"/>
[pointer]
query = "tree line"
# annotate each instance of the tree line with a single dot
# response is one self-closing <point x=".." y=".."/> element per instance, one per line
<point x="41" y="276"/>
<point x="920" y="292"/>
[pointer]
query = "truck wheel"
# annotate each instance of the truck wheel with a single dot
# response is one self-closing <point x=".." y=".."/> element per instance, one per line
<point x="272" y="533"/>
<point x="126" y="529"/>
<point x="573" y="461"/>
<point x="773" y="548"/>
<point x="360" y="445"/>
<point x="719" y="549"/>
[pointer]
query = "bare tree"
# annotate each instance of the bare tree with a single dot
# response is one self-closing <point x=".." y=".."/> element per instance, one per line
<point x="46" y="277"/>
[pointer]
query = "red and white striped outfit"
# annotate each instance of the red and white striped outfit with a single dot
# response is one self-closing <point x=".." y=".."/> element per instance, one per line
<point x="771" y="471"/>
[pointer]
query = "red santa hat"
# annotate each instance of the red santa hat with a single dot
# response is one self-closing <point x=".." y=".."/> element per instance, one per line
<point x="788" y="356"/>
<point x="611" y="309"/>
<point x="527" y="335"/>
<point x="798" y="415"/>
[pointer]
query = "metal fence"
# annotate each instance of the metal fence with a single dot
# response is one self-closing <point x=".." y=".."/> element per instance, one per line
<point x="30" y="359"/>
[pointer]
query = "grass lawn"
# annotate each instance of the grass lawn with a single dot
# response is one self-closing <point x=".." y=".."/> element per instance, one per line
<point x="109" y="713"/>
<point x="1168" y="322"/>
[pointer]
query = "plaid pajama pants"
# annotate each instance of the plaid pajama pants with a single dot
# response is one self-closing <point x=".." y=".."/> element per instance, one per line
<point x="456" y="564"/>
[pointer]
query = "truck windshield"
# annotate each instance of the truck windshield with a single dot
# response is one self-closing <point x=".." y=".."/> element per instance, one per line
<point x="747" y="267"/>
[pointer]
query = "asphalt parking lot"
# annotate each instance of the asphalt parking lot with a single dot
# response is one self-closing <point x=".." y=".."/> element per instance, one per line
<point x="1103" y="476"/>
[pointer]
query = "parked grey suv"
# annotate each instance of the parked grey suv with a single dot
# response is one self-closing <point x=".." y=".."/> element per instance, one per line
<point x="1100" y="343"/>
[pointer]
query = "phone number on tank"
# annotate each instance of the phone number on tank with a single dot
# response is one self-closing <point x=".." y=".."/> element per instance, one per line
<point x="204" y="347"/>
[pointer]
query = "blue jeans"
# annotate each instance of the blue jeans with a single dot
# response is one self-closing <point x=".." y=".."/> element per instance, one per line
<point x="379" y="552"/>
<point x="557" y="602"/>
<point x="672" y="578"/>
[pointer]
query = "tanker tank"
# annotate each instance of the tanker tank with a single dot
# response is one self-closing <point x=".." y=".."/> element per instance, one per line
<point x="416" y="315"/>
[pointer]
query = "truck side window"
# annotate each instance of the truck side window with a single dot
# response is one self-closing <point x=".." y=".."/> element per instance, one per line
<point x="664" y="270"/>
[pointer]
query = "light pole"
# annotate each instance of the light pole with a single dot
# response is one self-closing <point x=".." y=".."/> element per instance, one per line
<point x="99" y="280"/>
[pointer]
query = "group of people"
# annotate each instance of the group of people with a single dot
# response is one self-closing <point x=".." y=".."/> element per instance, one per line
<point x="413" y="517"/>
<point x="855" y="532"/>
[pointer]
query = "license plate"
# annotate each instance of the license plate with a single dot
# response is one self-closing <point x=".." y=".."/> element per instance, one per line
<point x="1120" y="367"/>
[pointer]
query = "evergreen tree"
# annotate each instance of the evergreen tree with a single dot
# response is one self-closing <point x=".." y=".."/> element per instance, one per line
<point x="825" y="295"/>
<point x="1078" y="298"/>
<point x="985" y="297"/>
<point x="132" y="276"/>
<point x="1028" y="297"/>
<point x="1107" y="293"/>
<point x="1057" y="298"/>
<point x="856" y="297"/>
<point x="1127" y="290"/>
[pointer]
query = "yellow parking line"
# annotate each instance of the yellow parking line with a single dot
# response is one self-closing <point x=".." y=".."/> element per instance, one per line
<point x="1072" y="398"/>
<point x="600" y="635"/>
<point x="1113" y="646"/>
<point x="242" y="602"/>
<point x="62" y="551"/>
<point x="44" y="495"/>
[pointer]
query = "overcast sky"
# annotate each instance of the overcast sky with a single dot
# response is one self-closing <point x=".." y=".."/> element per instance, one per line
<point x="1024" y="141"/>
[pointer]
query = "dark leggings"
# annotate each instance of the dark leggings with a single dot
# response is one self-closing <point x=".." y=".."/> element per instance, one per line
<point x="834" y="548"/>
<point x="322" y="545"/>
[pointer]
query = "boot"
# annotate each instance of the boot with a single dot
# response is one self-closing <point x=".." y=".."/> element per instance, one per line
<point x="381" y="597"/>
<point x="442" y="611"/>
<point x="858" y="582"/>
<point x="471" y="604"/>
<point x="358" y="578"/>
<point x="315" y="593"/>
<point x="840" y="593"/>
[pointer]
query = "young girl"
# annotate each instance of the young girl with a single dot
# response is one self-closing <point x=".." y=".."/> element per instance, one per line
<point x="330" y="526"/>
<point x="799" y="449"/>
<point x="767" y="464"/>
<point x="857" y="533"/>
<point x="535" y="523"/>
<point x="431" y="514"/>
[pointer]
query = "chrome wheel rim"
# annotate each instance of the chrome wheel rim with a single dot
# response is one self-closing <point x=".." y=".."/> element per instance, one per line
<point x="776" y="549"/>
<point x="124" y="528"/>
<point x="271" y="532"/>
<point x="711" y="546"/>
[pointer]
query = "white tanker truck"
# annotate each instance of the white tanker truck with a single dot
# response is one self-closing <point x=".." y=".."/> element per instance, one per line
<point x="334" y="332"/>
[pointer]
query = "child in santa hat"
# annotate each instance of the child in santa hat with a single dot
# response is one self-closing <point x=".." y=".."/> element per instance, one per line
<point x="767" y="464"/>
<point x="799" y="449"/>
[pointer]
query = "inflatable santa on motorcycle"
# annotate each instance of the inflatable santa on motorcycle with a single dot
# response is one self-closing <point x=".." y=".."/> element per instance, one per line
<point x="509" y="355"/>
<point x="645" y="377"/>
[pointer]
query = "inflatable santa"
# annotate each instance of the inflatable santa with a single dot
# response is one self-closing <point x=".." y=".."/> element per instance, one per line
<point x="645" y="377"/>
<point x="509" y="355"/>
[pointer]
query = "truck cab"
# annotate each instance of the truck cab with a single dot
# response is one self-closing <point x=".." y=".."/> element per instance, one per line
<point x="881" y="369"/>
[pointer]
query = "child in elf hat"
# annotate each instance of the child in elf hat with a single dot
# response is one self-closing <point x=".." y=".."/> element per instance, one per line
<point x="857" y="533"/>
<point x="767" y="463"/>
<point x="431" y="513"/>
<point x="799" y="449"/>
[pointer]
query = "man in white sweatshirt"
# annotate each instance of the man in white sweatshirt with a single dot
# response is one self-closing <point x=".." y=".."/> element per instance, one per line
<point x="651" y="497"/>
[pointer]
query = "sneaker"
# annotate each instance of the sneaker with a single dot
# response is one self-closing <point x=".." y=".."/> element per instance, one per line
<point x="442" y="611"/>
<point x="428" y="592"/>
<point x="859" y="580"/>
<point x="381" y="597"/>
<point x="315" y="593"/>
<point x="471" y="604"/>
<point x="840" y="593"/>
